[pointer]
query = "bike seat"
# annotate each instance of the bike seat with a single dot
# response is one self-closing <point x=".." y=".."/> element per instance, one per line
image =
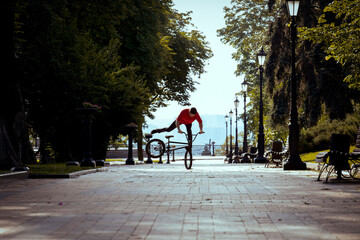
<point x="169" y="136"/>
<point x="148" y="135"/>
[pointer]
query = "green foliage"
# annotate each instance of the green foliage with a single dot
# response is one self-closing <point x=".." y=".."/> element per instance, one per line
<point x="119" y="141"/>
<point x="251" y="25"/>
<point x="277" y="133"/>
<point x="338" y="29"/>
<point x="128" y="57"/>
<point x="187" y="52"/>
<point x="246" y="25"/>
<point x="318" y="137"/>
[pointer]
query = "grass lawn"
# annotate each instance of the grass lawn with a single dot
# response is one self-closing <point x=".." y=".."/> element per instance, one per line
<point x="54" y="168"/>
<point x="310" y="157"/>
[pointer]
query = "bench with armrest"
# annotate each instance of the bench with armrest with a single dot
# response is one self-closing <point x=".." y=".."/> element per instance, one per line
<point x="337" y="159"/>
<point x="250" y="155"/>
<point x="355" y="158"/>
<point x="275" y="155"/>
<point x="355" y="155"/>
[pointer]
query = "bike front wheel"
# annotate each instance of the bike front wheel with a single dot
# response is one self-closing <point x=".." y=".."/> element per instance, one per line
<point x="188" y="159"/>
<point x="155" y="148"/>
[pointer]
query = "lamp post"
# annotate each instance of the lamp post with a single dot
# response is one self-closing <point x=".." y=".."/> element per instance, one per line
<point x="87" y="160"/>
<point x="130" y="128"/>
<point x="236" y="159"/>
<point x="230" y="154"/>
<point x="226" y="140"/>
<point x="294" y="162"/>
<point x="260" y="157"/>
<point x="245" y="159"/>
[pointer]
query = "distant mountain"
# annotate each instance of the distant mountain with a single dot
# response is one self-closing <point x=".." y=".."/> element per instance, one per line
<point x="214" y="128"/>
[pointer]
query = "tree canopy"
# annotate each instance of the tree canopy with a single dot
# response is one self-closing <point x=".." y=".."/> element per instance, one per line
<point x="339" y="30"/>
<point x="322" y="61"/>
<point x="129" y="57"/>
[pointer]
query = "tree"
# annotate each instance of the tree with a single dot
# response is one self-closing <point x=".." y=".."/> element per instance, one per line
<point x="320" y="86"/>
<point x="250" y="25"/>
<point x="118" y="54"/>
<point x="247" y="23"/>
<point x="338" y="30"/>
<point x="188" y="51"/>
<point x="15" y="148"/>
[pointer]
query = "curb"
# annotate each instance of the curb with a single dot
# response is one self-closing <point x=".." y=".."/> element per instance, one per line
<point x="312" y="166"/>
<point x="18" y="175"/>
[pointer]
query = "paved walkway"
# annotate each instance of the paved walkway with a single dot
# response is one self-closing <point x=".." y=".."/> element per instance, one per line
<point x="212" y="201"/>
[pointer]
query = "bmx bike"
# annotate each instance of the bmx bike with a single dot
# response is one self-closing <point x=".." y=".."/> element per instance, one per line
<point x="156" y="148"/>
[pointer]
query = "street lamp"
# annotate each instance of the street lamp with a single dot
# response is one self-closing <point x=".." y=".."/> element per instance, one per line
<point x="293" y="7"/>
<point x="260" y="156"/>
<point x="245" y="159"/>
<point x="87" y="160"/>
<point x="294" y="162"/>
<point x="230" y="154"/>
<point x="226" y="140"/>
<point x="236" y="159"/>
<point x="130" y="128"/>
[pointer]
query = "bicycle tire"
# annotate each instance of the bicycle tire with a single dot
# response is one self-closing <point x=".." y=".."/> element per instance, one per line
<point x="155" y="148"/>
<point x="188" y="159"/>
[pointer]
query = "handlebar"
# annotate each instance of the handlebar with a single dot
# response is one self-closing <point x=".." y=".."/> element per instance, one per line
<point x="193" y="139"/>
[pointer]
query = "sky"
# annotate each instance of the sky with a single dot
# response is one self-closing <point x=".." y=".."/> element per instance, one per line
<point x="217" y="87"/>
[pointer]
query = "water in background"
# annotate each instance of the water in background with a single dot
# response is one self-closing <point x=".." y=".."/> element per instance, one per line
<point x="198" y="149"/>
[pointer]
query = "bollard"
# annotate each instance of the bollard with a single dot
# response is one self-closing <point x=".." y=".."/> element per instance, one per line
<point x="213" y="147"/>
<point x="130" y="127"/>
<point x="149" y="160"/>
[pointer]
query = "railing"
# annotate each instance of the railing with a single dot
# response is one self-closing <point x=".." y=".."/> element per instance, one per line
<point x="198" y="150"/>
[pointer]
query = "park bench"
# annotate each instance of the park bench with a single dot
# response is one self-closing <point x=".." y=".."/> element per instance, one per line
<point x="355" y="157"/>
<point x="251" y="154"/>
<point x="328" y="160"/>
<point x="356" y="152"/>
<point x="337" y="159"/>
<point x="275" y="155"/>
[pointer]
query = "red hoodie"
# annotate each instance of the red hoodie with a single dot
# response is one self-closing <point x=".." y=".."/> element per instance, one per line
<point x="184" y="117"/>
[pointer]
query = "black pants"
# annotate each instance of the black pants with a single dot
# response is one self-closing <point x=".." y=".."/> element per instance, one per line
<point x="173" y="126"/>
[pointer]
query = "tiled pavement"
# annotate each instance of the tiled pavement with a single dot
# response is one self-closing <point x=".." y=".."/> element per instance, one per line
<point x="212" y="201"/>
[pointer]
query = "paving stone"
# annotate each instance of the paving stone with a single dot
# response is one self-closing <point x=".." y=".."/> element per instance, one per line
<point x="212" y="201"/>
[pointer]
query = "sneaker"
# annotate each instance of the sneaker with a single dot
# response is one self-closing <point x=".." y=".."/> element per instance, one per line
<point x="154" y="131"/>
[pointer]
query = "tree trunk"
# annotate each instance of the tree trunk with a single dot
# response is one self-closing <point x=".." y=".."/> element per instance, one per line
<point x="15" y="147"/>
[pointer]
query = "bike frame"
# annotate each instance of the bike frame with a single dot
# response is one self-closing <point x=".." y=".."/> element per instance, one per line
<point x="170" y="149"/>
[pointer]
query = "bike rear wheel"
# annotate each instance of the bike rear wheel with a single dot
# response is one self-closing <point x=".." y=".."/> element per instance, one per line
<point x="155" y="148"/>
<point x="188" y="158"/>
